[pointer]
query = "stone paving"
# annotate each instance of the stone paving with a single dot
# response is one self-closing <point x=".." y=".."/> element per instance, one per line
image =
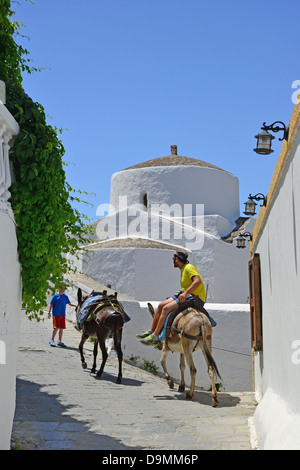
<point x="61" y="406"/>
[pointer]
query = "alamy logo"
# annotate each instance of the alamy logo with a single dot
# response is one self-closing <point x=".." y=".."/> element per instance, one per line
<point x="2" y="353"/>
<point x="296" y="353"/>
<point x="161" y="222"/>
<point x="295" y="95"/>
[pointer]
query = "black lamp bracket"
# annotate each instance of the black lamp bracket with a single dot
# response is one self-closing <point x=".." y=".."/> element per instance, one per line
<point x="259" y="197"/>
<point x="276" y="128"/>
<point x="246" y="235"/>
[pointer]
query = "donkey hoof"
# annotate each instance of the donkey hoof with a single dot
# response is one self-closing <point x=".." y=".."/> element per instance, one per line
<point x="84" y="365"/>
<point x="93" y="371"/>
<point x="215" y="403"/>
<point x="188" y="396"/>
<point x="171" y="384"/>
<point x="181" y="388"/>
<point x="119" y="380"/>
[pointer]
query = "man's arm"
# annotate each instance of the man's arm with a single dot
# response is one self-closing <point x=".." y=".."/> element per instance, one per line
<point x="196" y="282"/>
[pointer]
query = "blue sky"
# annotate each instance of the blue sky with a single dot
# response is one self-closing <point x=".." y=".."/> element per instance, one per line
<point x="128" y="78"/>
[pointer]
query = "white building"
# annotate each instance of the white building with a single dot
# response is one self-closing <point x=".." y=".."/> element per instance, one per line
<point x="10" y="282"/>
<point x="276" y="324"/>
<point x="158" y="206"/>
<point x="161" y="205"/>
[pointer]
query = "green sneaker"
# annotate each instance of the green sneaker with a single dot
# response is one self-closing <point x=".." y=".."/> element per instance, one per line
<point x="144" y="335"/>
<point x="151" y="340"/>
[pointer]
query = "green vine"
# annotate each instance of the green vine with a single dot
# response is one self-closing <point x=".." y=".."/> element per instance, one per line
<point x="49" y="227"/>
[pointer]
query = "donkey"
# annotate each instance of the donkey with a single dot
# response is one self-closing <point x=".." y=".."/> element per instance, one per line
<point x="106" y="321"/>
<point x="191" y="331"/>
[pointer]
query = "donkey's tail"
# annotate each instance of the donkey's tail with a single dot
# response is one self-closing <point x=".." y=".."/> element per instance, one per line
<point x="207" y="352"/>
<point x="114" y="321"/>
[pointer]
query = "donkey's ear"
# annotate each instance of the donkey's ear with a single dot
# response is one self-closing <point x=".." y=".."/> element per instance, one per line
<point x="79" y="296"/>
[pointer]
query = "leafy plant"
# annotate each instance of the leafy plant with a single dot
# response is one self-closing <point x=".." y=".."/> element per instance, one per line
<point x="134" y="359"/>
<point x="219" y="387"/>
<point x="150" y="366"/>
<point x="15" y="445"/>
<point x="49" y="227"/>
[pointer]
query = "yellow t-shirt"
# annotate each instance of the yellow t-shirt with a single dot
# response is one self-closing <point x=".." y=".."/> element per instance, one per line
<point x="187" y="272"/>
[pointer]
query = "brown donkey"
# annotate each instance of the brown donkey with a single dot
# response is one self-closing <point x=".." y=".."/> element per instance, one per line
<point x="105" y="319"/>
<point x="190" y="332"/>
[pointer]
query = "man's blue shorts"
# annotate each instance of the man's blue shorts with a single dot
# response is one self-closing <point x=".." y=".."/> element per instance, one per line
<point x="187" y="299"/>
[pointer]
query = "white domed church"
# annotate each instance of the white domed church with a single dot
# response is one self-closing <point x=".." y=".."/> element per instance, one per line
<point x="159" y="206"/>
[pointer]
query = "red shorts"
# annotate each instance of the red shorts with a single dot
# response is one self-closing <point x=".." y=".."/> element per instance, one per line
<point x="59" y="322"/>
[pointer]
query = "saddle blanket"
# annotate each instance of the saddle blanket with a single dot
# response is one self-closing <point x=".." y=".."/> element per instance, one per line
<point x="85" y="307"/>
<point x="162" y="335"/>
<point x="96" y="300"/>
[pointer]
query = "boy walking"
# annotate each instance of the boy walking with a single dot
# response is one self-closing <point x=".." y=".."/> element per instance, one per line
<point x="58" y="306"/>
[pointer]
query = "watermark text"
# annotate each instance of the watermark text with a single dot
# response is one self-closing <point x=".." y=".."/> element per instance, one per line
<point x="296" y="354"/>
<point x="162" y="222"/>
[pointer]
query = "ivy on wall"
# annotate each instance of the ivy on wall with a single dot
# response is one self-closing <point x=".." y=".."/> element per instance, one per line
<point x="49" y="227"/>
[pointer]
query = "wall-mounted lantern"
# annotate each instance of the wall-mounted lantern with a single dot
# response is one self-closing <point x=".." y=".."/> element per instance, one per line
<point x="264" y="143"/>
<point x="264" y="139"/>
<point x="241" y="242"/>
<point x="250" y="205"/>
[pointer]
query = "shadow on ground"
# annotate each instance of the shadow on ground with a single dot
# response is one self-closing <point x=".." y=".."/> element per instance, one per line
<point x="204" y="398"/>
<point x="43" y="423"/>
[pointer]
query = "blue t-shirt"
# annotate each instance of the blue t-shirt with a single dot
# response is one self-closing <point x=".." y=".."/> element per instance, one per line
<point x="59" y="303"/>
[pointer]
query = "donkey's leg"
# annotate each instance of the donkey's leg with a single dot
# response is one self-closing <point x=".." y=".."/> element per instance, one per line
<point x="95" y="352"/>
<point x="163" y="360"/>
<point x="118" y="348"/>
<point x="84" y="337"/>
<point x="182" y="368"/>
<point x="189" y="359"/>
<point x="104" y="354"/>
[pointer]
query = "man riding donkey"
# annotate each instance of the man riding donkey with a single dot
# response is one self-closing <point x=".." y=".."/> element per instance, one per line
<point x="192" y="295"/>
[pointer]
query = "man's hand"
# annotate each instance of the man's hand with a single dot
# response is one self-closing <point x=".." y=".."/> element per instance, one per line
<point x="182" y="297"/>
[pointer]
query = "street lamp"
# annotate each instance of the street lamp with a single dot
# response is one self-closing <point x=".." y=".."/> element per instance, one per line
<point x="250" y="205"/>
<point x="264" y="139"/>
<point x="264" y="143"/>
<point x="241" y="242"/>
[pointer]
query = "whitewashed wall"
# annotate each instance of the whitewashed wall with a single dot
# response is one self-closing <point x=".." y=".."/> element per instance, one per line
<point x="277" y="368"/>
<point x="216" y="189"/>
<point x="10" y="286"/>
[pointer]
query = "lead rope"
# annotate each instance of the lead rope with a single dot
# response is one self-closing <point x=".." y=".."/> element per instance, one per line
<point x="131" y="320"/>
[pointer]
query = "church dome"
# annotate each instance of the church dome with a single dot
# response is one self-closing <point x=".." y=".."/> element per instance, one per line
<point x="173" y="160"/>
<point x="179" y="180"/>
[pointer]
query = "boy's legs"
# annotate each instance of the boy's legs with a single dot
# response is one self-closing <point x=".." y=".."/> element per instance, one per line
<point x="60" y="333"/>
<point x="55" y="330"/>
<point x="58" y="326"/>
